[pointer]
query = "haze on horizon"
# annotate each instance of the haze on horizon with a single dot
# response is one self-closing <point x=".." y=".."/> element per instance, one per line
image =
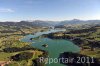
<point x="53" y="10"/>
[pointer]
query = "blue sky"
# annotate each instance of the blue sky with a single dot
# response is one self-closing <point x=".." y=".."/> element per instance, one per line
<point x="16" y="10"/>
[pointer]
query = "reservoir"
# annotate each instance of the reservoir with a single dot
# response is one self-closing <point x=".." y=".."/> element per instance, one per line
<point x="55" y="46"/>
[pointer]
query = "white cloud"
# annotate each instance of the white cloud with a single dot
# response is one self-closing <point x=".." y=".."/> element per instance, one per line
<point x="6" y="10"/>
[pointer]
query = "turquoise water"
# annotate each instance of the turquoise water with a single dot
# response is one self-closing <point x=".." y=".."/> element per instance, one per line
<point x="55" y="47"/>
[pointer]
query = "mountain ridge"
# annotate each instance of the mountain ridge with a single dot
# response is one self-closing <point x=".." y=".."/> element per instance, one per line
<point x="42" y="23"/>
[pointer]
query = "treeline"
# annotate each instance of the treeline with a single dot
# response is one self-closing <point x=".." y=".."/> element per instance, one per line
<point x="82" y="31"/>
<point x="22" y="56"/>
<point x="7" y="31"/>
<point x="17" y="49"/>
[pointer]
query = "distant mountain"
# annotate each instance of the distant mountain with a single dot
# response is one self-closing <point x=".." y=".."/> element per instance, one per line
<point x="77" y="24"/>
<point x="35" y="23"/>
<point x="44" y="23"/>
<point x="40" y="23"/>
<point x="77" y="21"/>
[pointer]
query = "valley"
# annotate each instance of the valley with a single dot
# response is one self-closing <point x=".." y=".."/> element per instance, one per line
<point x="21" y="43"/>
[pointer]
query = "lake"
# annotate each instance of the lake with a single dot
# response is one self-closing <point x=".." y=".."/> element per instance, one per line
<point x="55" y="46"/>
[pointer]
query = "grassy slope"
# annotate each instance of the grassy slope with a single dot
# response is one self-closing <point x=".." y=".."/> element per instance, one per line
<point x="13" y="40"/>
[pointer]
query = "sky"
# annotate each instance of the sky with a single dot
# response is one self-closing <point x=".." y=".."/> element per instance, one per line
<point x="53" y="10"/>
